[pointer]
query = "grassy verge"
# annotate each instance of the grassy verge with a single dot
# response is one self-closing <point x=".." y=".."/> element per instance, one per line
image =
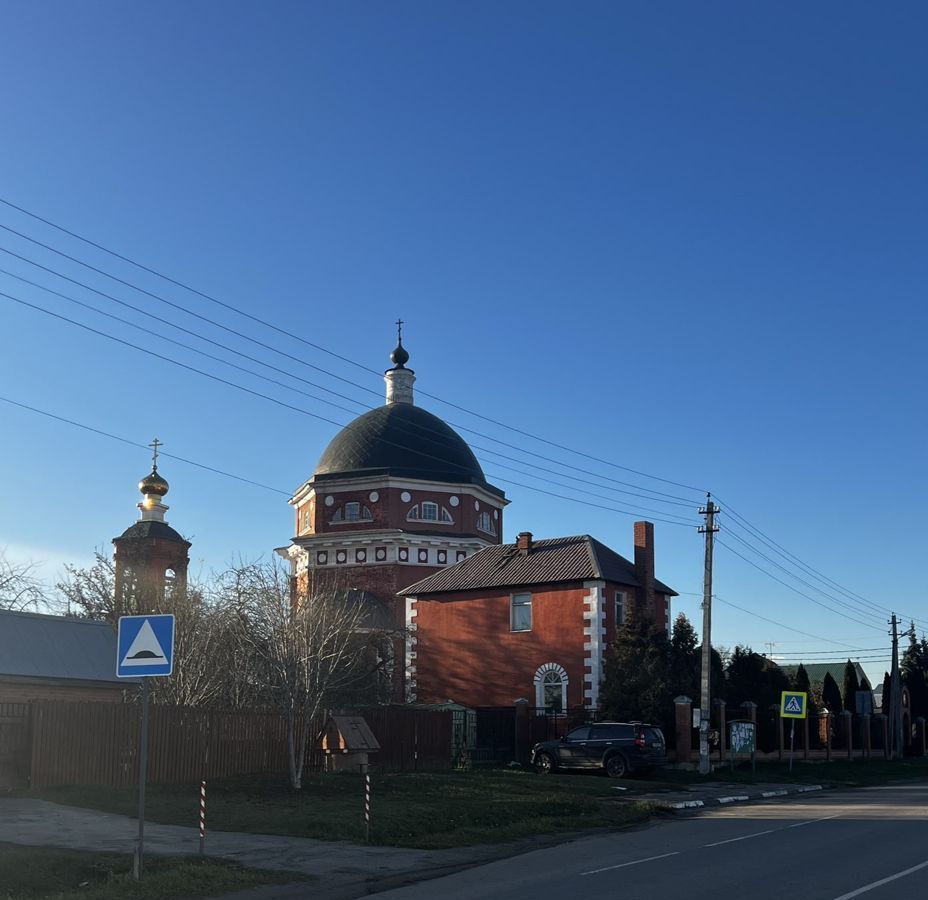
<point x="857" y="773"/>
<point x="426" y="810"/>
<point x="40" y="873"/>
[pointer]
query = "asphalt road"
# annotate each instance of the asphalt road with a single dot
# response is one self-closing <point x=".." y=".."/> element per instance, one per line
<point x="870" y="843"/>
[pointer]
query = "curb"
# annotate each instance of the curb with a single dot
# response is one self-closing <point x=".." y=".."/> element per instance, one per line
<point x="682" y="805"/>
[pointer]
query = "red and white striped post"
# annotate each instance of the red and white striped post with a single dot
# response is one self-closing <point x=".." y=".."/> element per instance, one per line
<point x="202" y="818"/>
<point x="367" y="803"/>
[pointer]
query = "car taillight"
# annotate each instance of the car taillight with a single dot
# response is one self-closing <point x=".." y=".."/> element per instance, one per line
<point x="639" y="739"/>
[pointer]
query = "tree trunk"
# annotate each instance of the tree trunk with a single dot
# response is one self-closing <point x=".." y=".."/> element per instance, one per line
<point x="295" y="775"/>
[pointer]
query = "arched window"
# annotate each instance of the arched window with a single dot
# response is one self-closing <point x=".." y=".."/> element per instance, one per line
<point x="485" y="523"/>
<point x="429" y="511"/>
<point x="352" y="512"/>
<point x="170" y="584"/>
<point x="551" y="688"/>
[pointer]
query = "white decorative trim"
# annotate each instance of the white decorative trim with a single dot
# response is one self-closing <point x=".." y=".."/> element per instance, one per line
<point x="539" y="683"/>
<point x="411" y="643"/>
<point x="594" y="634"/>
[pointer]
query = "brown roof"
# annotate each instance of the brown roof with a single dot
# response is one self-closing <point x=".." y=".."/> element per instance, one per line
<point x="553" y="560"/>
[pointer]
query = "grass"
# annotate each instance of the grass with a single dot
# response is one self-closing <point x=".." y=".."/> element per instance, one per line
<point x="856" y="773"/>
<point x="424" y="810"/>
<point x="40" y="873"/>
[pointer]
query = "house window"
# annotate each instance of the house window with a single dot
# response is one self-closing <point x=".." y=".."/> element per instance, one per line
<point x="429" y="512"/>
<point x="619" y="609"/>
<point x="352" y="512"/>
<point x="551" y="689"/>
<point x="485" y="523"/>
<point x="521" y="612"/>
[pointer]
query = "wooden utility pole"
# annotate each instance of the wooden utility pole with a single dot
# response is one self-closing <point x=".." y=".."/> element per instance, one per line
<point x="895" y="703"/>
<point x="710" y="510"/>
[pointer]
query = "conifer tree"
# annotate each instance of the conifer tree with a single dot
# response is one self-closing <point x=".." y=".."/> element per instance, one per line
<point x="851" y="687"/>
<point x="887" y="694"/>
<point x="831" y="695"/>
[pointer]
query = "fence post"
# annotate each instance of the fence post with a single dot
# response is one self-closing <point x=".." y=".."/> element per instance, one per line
<point x="722" y="725"/>
<point x="884" y="733"/>
<point x="848" y="728"/>
<point x="520" y="730"/>
<point x="920" y="747"/>
<point x="202" y="818"/>
<point x="683" y="719"/>
<point x="867" y="741"/>
<point x="805" y="737"/>
<point x="826" y="720"/>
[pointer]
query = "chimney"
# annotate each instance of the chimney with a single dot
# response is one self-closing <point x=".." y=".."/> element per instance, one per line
<point x="524" y="543"/>
<point x="644" y="567"/>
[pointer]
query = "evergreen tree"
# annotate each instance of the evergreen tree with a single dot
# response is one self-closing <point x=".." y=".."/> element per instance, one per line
<point x="800" y="681"/>
<point x="831" y="695"/>
<point x="636" y="681"/>
<point x="685" y="660"/>
<point x="914" y="669"/>
<point x="851" y="687"/>
<point x="885" y="703"/>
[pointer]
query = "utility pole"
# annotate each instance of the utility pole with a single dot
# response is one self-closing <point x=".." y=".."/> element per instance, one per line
<point x="895" y="703"/>
<point x="705" y="696"/>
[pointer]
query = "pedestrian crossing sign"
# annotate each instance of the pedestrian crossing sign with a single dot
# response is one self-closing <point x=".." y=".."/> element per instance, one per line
<point x="793" y="704"/>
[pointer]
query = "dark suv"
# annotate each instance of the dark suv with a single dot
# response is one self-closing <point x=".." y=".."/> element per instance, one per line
<point x="616" y="747"/>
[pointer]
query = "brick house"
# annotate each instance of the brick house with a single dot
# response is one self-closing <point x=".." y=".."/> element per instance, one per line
<point x="527" y="620"/>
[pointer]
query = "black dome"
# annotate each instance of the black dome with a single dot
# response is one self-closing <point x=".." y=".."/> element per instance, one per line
<point x="151" y="529"/>
<point x="404" y="441"/>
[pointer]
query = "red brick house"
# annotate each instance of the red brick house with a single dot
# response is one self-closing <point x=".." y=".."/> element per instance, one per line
<point x="527" y="620"/>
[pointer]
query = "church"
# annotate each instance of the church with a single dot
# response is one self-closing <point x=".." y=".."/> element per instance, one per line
<point x="399" y="509"/>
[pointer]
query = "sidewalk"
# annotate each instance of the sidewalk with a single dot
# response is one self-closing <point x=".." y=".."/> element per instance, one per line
<point x="342" y="870"/>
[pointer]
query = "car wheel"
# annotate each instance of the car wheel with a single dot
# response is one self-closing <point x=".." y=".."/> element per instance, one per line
<point x="616" y="766"/>
<point x="545" y="764"/>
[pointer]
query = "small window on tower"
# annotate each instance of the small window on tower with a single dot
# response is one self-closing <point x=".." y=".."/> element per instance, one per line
<point x="429" y="512"/>
<point x="485" y="523"/>
<point x="170" y="584"/>
<point x="352" y="512"/>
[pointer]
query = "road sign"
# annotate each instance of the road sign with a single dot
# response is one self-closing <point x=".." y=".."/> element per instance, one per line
<point x="793" y="704"/>
<point x="145" y="646"/>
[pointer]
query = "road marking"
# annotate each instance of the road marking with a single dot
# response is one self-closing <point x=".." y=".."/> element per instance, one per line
<point x="813" y="821"/>
<point x="881" y="882"/>
<point x="743" y="837"/>
<point x="634" y="862"/>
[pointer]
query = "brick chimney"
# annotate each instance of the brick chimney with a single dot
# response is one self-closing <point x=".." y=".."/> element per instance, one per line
<point x="644" y="568"/>
<point x="524" y="543"/>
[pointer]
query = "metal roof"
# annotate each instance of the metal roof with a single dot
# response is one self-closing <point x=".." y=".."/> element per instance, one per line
<point x="551" y="560"/>
<point x="38" y="646"/>
<point x="817" y="671"/>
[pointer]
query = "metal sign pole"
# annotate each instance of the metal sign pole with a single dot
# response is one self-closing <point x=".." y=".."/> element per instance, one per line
<point x="143" y="772"/>
<point x="202" y="818"/>
<point x="792" y="735"/>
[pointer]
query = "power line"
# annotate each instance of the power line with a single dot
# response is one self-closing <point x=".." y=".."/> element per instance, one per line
<point x="658" y="496"/>
<point x="796" y="590"/>
<point x="299" y="338"/>
<point x="122" y="440"/>
<point x="297" y="409"/>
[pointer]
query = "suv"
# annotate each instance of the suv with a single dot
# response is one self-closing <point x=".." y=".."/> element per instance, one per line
<point x="615" y="747"/>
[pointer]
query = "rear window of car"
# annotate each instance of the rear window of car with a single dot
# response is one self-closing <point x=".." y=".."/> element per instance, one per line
<point x="611" y="732"/>
<point x="654" y="734"/>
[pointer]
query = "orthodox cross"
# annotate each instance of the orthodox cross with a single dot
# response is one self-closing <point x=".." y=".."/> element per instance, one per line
<point x="155" y="444"/>
<point x="399" y="331"/>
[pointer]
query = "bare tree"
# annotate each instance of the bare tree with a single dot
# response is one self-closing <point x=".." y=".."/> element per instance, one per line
<point x="90" y="593"/>
<point x="20" y="589"/>
<point x="310" y="648"/>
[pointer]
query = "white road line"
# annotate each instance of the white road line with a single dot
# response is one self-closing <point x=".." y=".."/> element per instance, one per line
<point x="881" y="882"/>
<point x="743" y="837"/>
<point x="634" y="862"/>
<point x="813" y="821"/>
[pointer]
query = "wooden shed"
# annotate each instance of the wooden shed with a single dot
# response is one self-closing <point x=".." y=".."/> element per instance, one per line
<point x="347" y="742"/>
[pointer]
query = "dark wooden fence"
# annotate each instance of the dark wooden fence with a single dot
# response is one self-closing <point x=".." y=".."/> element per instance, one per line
<point x="15" y="725"/>
<point x="59" y="742"/>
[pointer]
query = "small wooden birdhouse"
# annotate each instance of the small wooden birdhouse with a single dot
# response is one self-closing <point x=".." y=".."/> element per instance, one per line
<point x="347" y="741"/>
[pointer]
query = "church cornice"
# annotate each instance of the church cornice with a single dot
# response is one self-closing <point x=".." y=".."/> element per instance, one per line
<point x="380" y="483"/>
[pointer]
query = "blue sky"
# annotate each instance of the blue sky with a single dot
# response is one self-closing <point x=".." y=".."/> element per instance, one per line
<point x="687" y="239"/>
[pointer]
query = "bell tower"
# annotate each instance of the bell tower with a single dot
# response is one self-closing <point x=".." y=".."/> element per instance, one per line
<point x="151" y="558"/>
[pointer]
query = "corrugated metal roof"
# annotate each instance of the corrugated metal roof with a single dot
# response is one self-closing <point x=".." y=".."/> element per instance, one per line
<point x="551" y="560"/>
<point x="37" y="646"/>
<point x="817" y="671"/>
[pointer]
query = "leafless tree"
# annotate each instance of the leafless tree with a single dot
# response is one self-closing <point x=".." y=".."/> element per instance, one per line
<point x="89" y="593"/>
<point x="20" y="588"/>
<point x="310" y="648"/>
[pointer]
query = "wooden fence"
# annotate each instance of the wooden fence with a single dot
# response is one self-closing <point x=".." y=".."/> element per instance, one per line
<point x="58" y="742"/>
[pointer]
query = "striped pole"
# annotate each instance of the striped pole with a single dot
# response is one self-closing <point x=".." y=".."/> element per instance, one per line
<point x="367" y="805"/>
<point x="202" y="818"/>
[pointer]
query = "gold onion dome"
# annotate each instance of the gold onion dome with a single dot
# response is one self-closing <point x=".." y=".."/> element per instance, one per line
<point x="154" y="484"/>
